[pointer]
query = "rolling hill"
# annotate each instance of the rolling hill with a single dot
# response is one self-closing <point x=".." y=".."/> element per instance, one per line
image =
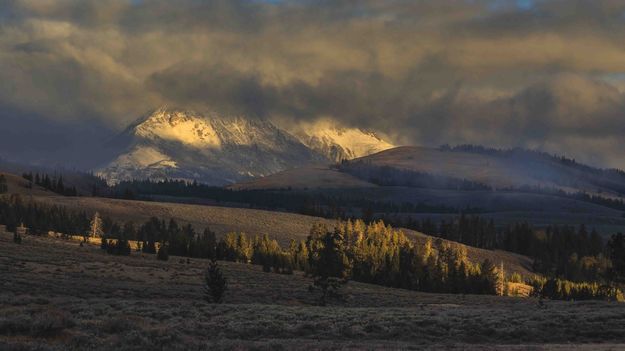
<point x="310" y="177"/>
<point x="501" y="170"/>
<point x="508" y="186"/>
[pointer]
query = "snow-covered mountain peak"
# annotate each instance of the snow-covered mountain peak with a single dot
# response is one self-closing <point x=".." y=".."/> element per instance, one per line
<point x="180" y="126"/>
<point x="338" y="142"/>
<point x="215" y="149"/>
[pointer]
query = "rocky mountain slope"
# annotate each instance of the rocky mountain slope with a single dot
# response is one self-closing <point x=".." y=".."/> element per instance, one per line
<point x="339" y="143"/>
<point x="219" y="150"/>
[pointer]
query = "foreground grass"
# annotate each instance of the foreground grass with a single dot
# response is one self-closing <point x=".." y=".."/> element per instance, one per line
<point x="59" y="296"/>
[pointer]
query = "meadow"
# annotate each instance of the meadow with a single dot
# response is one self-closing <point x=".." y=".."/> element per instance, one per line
<point x="57" y="295"/>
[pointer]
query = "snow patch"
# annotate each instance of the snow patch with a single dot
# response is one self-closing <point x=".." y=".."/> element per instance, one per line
<point x="180" y="126"/>
<point x="338" y="142"/>
<point x="144" y="156"/>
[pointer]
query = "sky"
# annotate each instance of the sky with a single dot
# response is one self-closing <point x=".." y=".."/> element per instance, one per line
<point x="546" y="75"/>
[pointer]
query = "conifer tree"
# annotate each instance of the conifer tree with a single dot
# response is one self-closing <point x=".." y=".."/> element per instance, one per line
<point x="489" y="277"/>
<point x="616" y="248"/>
<point x="500" y="282"/>
<point x="331" y="266"/>
<point x="3" y="184"/>
<point x="215" y="284"/>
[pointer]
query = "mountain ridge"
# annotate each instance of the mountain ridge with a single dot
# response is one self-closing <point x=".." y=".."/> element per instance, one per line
<point x="220" y="150"/>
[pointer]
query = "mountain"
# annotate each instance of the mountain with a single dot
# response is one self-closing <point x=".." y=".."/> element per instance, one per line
<point x="508" y="186"/>
<point x="338" y="143"/>
<point x="218" y="150"/>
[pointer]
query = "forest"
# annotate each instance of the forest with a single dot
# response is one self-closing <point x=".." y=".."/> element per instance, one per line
<point x="53" y="183"/>
<point x="312" y="203"/>
<point x="371" y="252"/>
<point x="565" y="252"/>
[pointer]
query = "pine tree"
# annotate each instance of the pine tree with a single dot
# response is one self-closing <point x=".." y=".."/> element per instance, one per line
<point x="331" y="267"/>
<point x="129" y="231"/>
<point x="500" y="282"/>
<point x="215" y="283"/>
<point x="3" y="184"/>
<point x="488" y="277"/>
<point x="616" y="248"/>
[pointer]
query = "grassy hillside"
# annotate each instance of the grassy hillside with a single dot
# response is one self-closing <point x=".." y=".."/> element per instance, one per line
<point x="57" y="296"/>
<point x="517" y="176"/>
<point x="279" y="225"/>
<point x="304" y="178"/>
<point x="18" y="185"/>
<point x="503" y="170"/>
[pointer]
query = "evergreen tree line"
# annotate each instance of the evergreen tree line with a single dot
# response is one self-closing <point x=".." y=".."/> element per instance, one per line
<point x="41" y="218"/>
<point x="559" y="251"/>
<point x="53" y="183"/>
<point x="561" y="289"/>
<point x="391" y="176"/>
<point x="616" y="204"/>
<point x="372" y="253"/>
<point x="379" y="254"/>
<point x="332" y="205"/>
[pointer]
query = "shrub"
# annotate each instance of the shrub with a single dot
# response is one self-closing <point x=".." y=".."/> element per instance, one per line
<point x="50" y="323"/>
<point x="118" y="325"/>
<point x="516" y="278"/>
<point x="162" y="253"/>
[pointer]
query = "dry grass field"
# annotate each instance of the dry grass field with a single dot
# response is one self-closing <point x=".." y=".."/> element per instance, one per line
<point x="56" y="295"/>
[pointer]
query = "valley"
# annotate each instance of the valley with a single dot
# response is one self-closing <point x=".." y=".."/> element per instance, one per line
<point x="529" y="227"/>
<point x="312" y="175"/>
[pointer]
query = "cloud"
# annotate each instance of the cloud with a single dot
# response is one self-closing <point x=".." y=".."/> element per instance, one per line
<point x="544" y="74"/>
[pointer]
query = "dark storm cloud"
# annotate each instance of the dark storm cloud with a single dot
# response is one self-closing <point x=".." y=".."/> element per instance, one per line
<point x="544" y="74"/>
